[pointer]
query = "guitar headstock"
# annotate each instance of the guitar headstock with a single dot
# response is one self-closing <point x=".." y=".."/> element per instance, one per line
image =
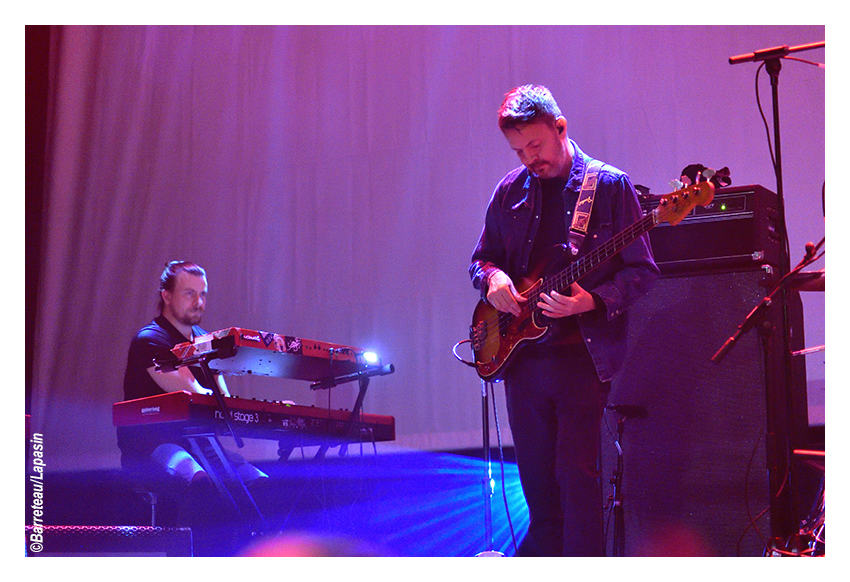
<point x="675" y="206"/>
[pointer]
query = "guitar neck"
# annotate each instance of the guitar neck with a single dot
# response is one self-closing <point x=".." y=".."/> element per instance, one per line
<point x="581" y="267"/>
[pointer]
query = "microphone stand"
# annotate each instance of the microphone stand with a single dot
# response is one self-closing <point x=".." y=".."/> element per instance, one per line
<point x="619" y="545"/>
<point x="205" y="443"/>
<point x="771" y="58"/>
<point x="616" y="497"/>
<point x="488" y="485"/>
<point x="780" y="440"/>
<point x="362" y="377"/>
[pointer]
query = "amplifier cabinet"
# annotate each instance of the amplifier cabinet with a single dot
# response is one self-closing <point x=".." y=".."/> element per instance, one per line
<point x="706" y="470"/>
<point x="739" y="230"/>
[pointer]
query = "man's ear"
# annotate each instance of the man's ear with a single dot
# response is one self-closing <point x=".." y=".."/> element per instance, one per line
<point x="561" y="124"/>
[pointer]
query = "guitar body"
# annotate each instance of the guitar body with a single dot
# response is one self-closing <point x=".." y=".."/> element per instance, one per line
<point x="497" y="336"/>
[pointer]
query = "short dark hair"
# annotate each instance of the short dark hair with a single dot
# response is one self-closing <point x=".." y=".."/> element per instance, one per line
<point x="527" y="104"/>
<point x="169" y="276"/>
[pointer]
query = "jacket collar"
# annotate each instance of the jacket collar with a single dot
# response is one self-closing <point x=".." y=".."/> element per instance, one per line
<point x="577" y="171"/>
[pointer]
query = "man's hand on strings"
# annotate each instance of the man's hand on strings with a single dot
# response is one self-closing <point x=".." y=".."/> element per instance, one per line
<point x="502" y="294"/>
<point x="556" y="305"/>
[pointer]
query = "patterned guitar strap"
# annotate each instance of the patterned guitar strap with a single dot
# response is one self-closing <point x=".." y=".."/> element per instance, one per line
<point x="584" y="206"/>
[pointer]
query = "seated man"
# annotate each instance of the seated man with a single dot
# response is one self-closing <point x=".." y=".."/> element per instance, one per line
<point x="148" y="450"/>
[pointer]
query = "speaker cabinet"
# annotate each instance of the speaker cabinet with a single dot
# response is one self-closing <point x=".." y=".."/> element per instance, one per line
<point x="72" y="540"/>
<point x="706" y="471"/>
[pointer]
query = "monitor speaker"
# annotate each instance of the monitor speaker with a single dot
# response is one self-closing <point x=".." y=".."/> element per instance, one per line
<point x="704" y="470"/>
<point x="124" y="541"/>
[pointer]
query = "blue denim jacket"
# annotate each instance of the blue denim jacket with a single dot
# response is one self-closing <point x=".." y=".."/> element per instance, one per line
<point x="510" y="226"/>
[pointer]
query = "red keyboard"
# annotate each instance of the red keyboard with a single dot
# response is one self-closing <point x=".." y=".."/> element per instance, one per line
<point x="239" y="351"/>
<point x="251" y="418"/>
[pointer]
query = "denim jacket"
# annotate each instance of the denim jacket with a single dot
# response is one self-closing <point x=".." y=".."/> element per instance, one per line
<point x="510" y="226"/>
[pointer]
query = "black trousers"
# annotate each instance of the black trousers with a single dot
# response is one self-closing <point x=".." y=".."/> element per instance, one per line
<point x="555" y="403"/>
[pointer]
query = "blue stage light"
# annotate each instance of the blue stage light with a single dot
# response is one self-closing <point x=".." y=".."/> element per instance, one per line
<point x="411" y="504"/>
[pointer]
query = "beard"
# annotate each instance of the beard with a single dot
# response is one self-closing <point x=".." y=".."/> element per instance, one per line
<point x="190" y="317"/>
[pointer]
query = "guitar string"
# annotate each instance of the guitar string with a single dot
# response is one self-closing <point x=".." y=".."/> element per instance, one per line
<point x="577" y="269"/>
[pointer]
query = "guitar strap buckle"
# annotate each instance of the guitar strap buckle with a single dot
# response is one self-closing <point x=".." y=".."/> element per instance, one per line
<point x="584" y="206"/>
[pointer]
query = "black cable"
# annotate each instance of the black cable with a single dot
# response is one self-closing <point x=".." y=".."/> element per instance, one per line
<point x="620" y="471"/>
<point x="786" y="243"/>
<point x="606" y="530"/>
<point x="753" y="520"/>
<point x="764" y="118"/>
<point x="502" y="467"/>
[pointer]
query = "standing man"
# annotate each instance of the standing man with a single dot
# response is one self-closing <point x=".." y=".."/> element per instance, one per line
<point x="557" y="389"/>
<point x="182" y="300"/>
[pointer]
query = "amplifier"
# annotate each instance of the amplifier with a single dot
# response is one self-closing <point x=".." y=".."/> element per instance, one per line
<point x="739" y="230"/>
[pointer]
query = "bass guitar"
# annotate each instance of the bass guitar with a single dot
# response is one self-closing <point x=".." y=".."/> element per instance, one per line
<point x="495" y="336"/>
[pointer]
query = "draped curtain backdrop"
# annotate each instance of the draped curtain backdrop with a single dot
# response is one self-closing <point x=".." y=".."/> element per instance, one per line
<point x="333" y="182"/>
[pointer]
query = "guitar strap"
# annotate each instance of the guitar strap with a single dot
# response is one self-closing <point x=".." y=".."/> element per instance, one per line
<point x="584" y="206"/>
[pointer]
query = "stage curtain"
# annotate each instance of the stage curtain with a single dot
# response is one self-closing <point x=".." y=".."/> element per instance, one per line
<point x="333" y="182"/>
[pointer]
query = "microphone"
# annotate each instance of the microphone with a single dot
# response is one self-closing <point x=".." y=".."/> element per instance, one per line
<point x="628" y="410"/>
<point x="776" y="52"/>
<point x="761" y="55"/>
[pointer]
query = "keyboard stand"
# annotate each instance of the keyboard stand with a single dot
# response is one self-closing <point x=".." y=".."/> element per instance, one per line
<point x="207" y="448"/>
<point x="354" y="425"/>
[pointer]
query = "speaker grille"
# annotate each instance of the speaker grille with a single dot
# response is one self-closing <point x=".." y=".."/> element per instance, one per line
<point x="696" y="469"/>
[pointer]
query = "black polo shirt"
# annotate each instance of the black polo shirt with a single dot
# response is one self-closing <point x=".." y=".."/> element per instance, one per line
<point x="154" y="338"/>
